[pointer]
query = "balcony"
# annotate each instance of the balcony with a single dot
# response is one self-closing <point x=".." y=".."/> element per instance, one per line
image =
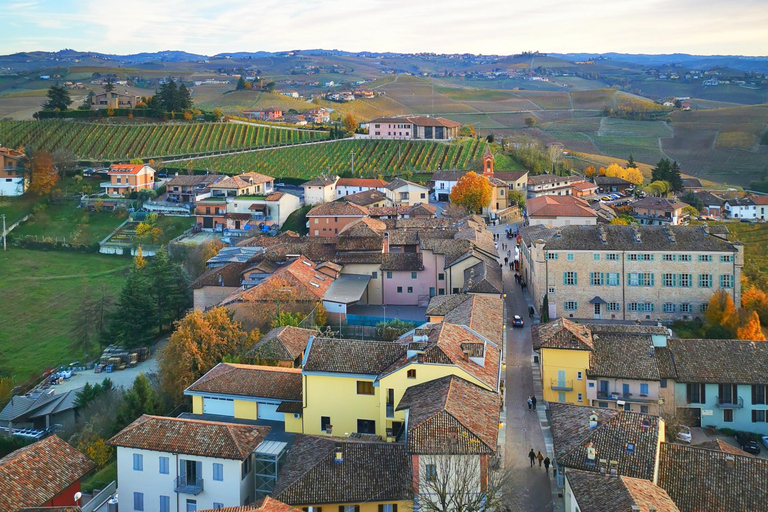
<point x="627" y="397"/>
<point x="390" y="411"/>
<point x="184" y="485"/>
<point x="730" y="403"/>
<point x="109" y="184"/>
<point x="561" y="385"/>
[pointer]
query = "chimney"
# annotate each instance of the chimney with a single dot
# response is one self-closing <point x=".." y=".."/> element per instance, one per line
<point x="705" y="228"/>
<point x="636" y="234"/>
<point x="558" y="233"/>
<point x="670" y="233"/>
<point x="593" y="420"/>
<point x="339" y="457"/>
<point x="730" y="462"/>
<point x="651" y="350"/>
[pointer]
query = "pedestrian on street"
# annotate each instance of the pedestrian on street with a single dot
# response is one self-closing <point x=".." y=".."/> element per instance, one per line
<point x="506" y="260"/>
<point x="530" y="403"/>
<point x="532" y="456"/>
<point x="540" y="457"/>
<point x="533" y="400"/>
<point x="510" y="266"/>
<point x="546" y="465"/>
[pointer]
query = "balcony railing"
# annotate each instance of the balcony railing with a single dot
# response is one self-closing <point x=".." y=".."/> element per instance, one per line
<point x="390" y="411"/>
<point x="627" y="397"/>
<point x="184" y="485"/>
<point x="730" y="403"/>
<point x="561" y="385"/>
<point x="109" y="184"/>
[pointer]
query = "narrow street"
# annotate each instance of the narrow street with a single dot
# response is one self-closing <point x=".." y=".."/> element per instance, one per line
<point x="528" y="488"/>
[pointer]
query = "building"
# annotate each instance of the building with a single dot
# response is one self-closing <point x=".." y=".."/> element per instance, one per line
<point x="283" y="346"/>
<point x="607" y="184"/>
<point x="320" y="190"/>
<point x="369" y="199"/>
<point x="327" y="219"/>
<point x="318" y="115"/>
<point x="114" y="100"/>
<point x="246" y="184"/>
<point x="40" y="411"/>
<point x="692" y="185"/>
<point x="403" y="192"/>
<point x="192" y="464"/>
<point x="723" y="383"/>
<point x="216" y="284"/>
<point x="659" y="211"/>
<point x="190" y="188"/>
<point x="750" y="207"/>
<point x="713" y="204"/>
<point x="584" y="189"/>
<point x="211" y="213"/>
<point x="260" y="211"/>
<point x="444" y="181"/>
<point x="659" y="273"/>
<point x="127" y="178"/>
<point x="421" y="127"/>
<point x="559" y="211"/>
<point x="13" y="179"/>
<point x="246" y="392"/>
<point x="267" y="114"/>
<point x="551" y="184"/>
<point x="586" y="491"/>
<point x="349" y="186"/>
<point x="516" y="180"/>
<point x="46" y="473"/>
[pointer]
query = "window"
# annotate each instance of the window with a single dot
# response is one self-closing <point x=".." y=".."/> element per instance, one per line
<point x="431" y="472"/>
<point x="596" y="257"/>
<point x="364" y="387"/>
<point x="644" y="409"/>
<point x="612" y="257"/>
<point x="325" y="422"/>
<point x="685" y="280"/>
<point x="165" y="504"/>
<point x="389" y="275"/>
<point x="696" y="393"/>
<point x="705" y="280"/>
<point x="374" y="275"/>
<point x="191" y="505"/>
<point x="138" y="501"/>
<point x="399" y="289"/>
<point x="668" y="280"/>
<point x="633" y="279"/>
<point x="570" y="256"/>
<point x="705" y="257"/>
<point x="663" y="383"/>
<point x="668" y="257"/>
<point x="441" y="277"/>
<point x="218" y="472"/>
<point x="631" y="257"/>
<point x="441" y="291"/>
<point x="603" y="405"/>
<point x="684" y="257"/>
<point x="410" y="289"/>
<point x="551" y="255"/>
<point x="726" y="281"/>
<point x="413" y="275"/>
<point x="643" y="388"/>
<point x="597" y="278"/>
<point x="570" y="305"/>
<point x="217" y="505"/>
<point x="668" y="307"/>
<point x="629" y="447"/>
<point x="163" y="465"/>
<point x="703" y="307"/>
<point x="570" y="278"/>
<point x="758" y="416"/>
<point x="727" y="415"/>
<point x="613" y="306"/>
<point x="455" y="290"/>
<point x="759" y="392"/>
<point x="138" y="462"/>
<point x="726" y="258"/>
<point x="388" y="507"/>
<point x="591" y="384"/>
<point x="579" y="397"/>
<point x="349" y="508"/>
<point x="245" y="468"/>
<point x="685" y="308"/>
<point x="613" y="279"/>
<point x="366" y="427"/>
<point x="578" y="375"/>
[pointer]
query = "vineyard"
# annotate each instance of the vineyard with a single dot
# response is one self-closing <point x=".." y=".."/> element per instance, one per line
<point x="371" y="158"/>
<point x="106" y="142"/>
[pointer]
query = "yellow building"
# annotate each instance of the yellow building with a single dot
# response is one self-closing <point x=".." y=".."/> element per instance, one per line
<point x="564" y="352"/>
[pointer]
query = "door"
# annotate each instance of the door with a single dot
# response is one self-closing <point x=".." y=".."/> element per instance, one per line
<point x="604" y="387"/>
<point x="561" y="397"/>
<point x="431" y="291"/>
<point x="237" y="224"/>
<point x="219" y="406"/>
<point x="269" y="412"/>
<point x="366" y="427"/>
<point x="390" y="403"/>
<point x="561" y="378"/>
<point x="597" y="311"/>
<point x="208" y="222"/>
<point x="625" y="389"/>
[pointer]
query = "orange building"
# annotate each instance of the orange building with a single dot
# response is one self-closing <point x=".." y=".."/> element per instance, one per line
<point x="327" y="219"/>
<point x="127" y="178"/>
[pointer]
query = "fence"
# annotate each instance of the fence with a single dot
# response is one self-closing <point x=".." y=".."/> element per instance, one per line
<point x="101" y="498"/>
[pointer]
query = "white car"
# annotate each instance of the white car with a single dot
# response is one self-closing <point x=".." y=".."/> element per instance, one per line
<point x="684" y="435"/>
<point x="65" y="374"/>
<point x="765" y="441"/>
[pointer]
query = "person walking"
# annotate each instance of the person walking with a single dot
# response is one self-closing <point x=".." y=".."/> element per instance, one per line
<point x="532" y="456"/>
<point x="540" y="457"/>
<point x="533" y="401"/>
<point x="530" y="403"/>
<point x="546" y="465"/>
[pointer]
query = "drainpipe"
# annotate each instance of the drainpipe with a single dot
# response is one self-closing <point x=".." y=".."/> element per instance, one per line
<point x="623" y="284"/>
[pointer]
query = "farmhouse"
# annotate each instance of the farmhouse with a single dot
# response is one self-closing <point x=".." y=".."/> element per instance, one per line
<point x="559" y="211"/>
<point x="551" y="184"/>
<point x="660" y="211"/>
<point x="115" y="100"/>
<point x="127" y="178"/>
<point x="13" y="180"/>
<point x="421" y="128"/>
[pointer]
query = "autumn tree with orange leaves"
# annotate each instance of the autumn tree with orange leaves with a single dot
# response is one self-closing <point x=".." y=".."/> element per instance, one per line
<point x="43" y="173"/>
<point x="749" y="326"/>
<point x="473" y="192"/>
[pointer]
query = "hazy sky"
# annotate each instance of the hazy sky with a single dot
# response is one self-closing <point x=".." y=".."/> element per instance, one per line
<point x="738" y="27"/>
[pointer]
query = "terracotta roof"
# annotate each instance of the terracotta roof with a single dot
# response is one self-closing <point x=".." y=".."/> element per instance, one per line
<point x="250" y="380"/>
<point x="562" y="333"/>
<point x="441" y="305"/>
<point x="191" y="437"/>
<point x="433" y="121"/>
<point x="709" y="199"/>
<point x="611" y="180"/>
<point x="366" y="197"/>
<point x="127" y="168"/>
<point x="584" y="185"/>
<point x="720" y="361"/>
<point x="399" y="182"/>
<point x="360" y="182"/>
<point x="352" y="356"/>
<point x="721" y="446"/>
<point x="544" y="179"/>
<point x="282" y="343"/>
<point x="481" y="313"/>
<point x="242" y="181"/>
<point x="229" y="274"/>
<point x="338" y="208"/>
<point x="760" y="200"/>
<point x="323" y="180"/>
<point x="422" y="209"/>
<point x="615" y="431"/>
<point x="665" y="363"/>
<point x="558" y="206"/>
<point x="71" y="508"/>
<point x="369" y="472"/>
<point x="598" y="493"/>
<point x="623" y="356"/>
<point x="275" y="196"/>
<point x="509" y="176"/>
<point x="267" y="504"/>
<point x="701" y="480"/>
<point x="451" y="416"/>
<point x="403" y="261"/>
<point x="300" y="275"/>
<point x="448" y="175"/>
<point x="33" y="475"/>
<point x="659" y="203"/>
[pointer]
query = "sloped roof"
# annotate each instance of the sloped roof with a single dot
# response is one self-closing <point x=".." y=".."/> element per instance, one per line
<point x="352" y="356"/>
<point x="720" y="361"/>
<point x="323" y="180"/>
<point x="481" y="313"/>
<point x="659" y="203"/>
<point x="191" y="437"/>
<point x="267" y="504"/>
<point x="721" y="446"/>
<point x="283" y="343"/>
<point x="622" y="238"/>
<point x="229" y="274"/>
<point x="360" y="182"/>
<point x="598" y="493"/>
<point x="369" y="472"/>
<point x="543" y="179"/>
<point x="441" y="305"/>
<point x="301" y="275"/>
<point x="558" y="206"/>
<point x="126" y="168"/>
<point x="433" y="121"/>
<point x="509" y="176"/>
<point x="366" y="197"/>
<point x="399" y="182"/>
<point x="562" y="333"/>
<point x="33" y="475"/>
<point x="484" y="276"/>
<point x="338" y="208"/>
<point x="24" y="406"/>
<point x="451" y="415"/>
<point x="250" y="380"/>
<point x="402" y="261"/>
<point x="623" y="356"/>
<point x="611" y="180"/>
<point x="583" y="185"/>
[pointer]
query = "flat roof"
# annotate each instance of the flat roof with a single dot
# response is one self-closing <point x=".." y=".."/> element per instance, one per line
<point x="347" y="288"/>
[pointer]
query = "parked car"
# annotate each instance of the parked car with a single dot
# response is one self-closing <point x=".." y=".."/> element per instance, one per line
<point x="606" y="198"/>
<point x="746" y="443"/>
<point x="517" y="321"/>
<point x="65" y="374"/>
<point x="684" y="435"/>
<point x="765" y="441"/>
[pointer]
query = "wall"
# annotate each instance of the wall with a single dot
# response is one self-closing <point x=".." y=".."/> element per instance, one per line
<point x="374" y="291"/>
<point x="635" y="401"/>
<point x="329" y="226"/>
<point x="209" y="296"/>
<point x="455" y="274"/>
<point x="317" y="195"/>
<point x="562" y="221"/>
<point x="403" y="279"/>
<point x="391" y="131"/>
<point x="742" y="418"/>
<point x="287" y="204"/>
<point x="11" y="186"/>
<point x="65" y="498"/>
<point x="572" y="361"/>
<point x="246" y="410"/>
<point x="465" y="470"/>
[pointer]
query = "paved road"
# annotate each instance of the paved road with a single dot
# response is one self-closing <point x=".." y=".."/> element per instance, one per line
<point x="529" y="488"/>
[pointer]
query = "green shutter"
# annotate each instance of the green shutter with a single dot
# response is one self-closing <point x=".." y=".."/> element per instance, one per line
<point x="575" y="278"/>
<point x="602" y="278"/>
<point x="591" y="278"/>
<point x="652" y="279"/>
<point x="565" y="278"/>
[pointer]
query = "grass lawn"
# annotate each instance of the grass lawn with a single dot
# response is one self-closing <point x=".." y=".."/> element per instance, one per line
<point x="66" y="220"/>
<point x="101" y="478"/>
<point x="41" y="291"/>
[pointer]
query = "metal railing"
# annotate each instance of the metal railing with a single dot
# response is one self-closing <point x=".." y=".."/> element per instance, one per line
<point x="561" y="385"/>
<point x="730" y="403"/>
<point x="184" y="485"/>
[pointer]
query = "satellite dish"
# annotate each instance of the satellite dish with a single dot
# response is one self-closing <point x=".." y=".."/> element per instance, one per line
<point x="78" y="495"/>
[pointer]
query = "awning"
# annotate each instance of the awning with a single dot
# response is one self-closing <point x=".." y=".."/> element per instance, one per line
<point x="597" y="300"/>
<point x="347" y="289"/>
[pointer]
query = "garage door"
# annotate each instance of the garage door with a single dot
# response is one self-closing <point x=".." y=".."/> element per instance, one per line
<point x="269" y="412"/>
<point x="220" y="406"/>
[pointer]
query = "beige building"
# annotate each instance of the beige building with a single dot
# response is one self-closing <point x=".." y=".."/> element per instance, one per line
<point x="559" y="211"/>
<point x="320" y="190"/>
<point x="551" y="184"/>
<point x="628" y="272"/>
<point x="115" y="100"/>
<point x="402" y="192"/>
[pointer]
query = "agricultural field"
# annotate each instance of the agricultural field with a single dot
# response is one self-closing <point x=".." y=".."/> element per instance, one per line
<point x="65" y="222"/>
<point x="755" y="240"/>
<point x="110" y="142"/>
<point x="372" y="157"/>
<point x="41" y="291"/>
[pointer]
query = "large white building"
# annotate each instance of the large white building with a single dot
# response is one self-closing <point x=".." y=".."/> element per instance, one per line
<point x="751" y="207"/>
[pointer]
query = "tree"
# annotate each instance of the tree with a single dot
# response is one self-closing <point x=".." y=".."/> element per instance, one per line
<point x="631" y="162"/>
<point x="168" y="287"/>
<point x="590" y="172"/>
<point x="675" y="178"/>
<point x="64" y="161"/>
<point x="44" y="175"/>
<point x="754" y="299"/>
<point x="184" y="98"/>
<point x="692" y="211"/>
<point x="517" y="197"/>
<point x="134" y="319"/>
<point x="140" y="398"/>
<point x="750" y="327"/>
<point x="620" y="221"/>
<point x="350" y="124"/>
<point x="530" y="122"/>
<point x="632" y="174"/>
<point x="658" y="188"/>
<point x="58" y="98"/>
<point x="217" y="113"/>
<point x="722" y="311"/>
<point x="240" y="84"/>
<point x="693" y="200"/>
<point x="545" y="309"/>
<point x="109" y="85"/>
<point x="473" y="191"/>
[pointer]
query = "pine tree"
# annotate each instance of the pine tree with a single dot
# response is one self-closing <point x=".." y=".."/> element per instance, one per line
<point x="140" y="399"/>
<point x="631" y="162"/>
<point x="661" y="171"/>
<point x="185" y="98"/>
<point x="674" y="178"/>
<point x="240" y="84"/>
<point x="58" y="98"/>
<point x="134" y="320"/>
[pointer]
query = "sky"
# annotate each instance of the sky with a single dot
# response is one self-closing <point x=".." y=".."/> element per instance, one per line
<point x="209" y="27"/>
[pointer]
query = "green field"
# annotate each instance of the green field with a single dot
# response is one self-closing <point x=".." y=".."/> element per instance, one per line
<point x="68" y="223"/>
<point x="371" y="157"/>
<point x="755" y="240"/>
<point x="102" y="141"/>
<point x="41" y="291"/>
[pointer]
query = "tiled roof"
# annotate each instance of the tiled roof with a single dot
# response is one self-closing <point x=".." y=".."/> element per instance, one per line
<point x="665" y="363"/>
<point x="282" y="343"/>
<point x="441" y="305"/>
<point x="611" y="180"/>
<point x="484" y="276"/>
<point x="509" y="176"/>
<point x="186" y="180"/>
<point x="615" y="429"/>
<point x="242" y="181"/>
<point x="709" y="199"/>
<point x="275" y="196"/>
<point x="300" y="275"/>
<point x="323" y="180"/>
<point x="433" y="121"/>
<point x="583" y="185"/>
<point x="451" y="416"/>
<point x="720" y="361"/>
<point x="599" y="493"/>
<point x="33" y="475"/>
<point x="692" y="183"/>
<point x="403" y="261"/>
<point x="360" y="182"/>
<point x="622" y="238"/>
<point x="530" y="234"/>
<point x="760" y="200"/>
<point x="403" y="237"/>
<point x="627" y="328"/>
<point x="562" y="333"/>
<point x="23" y="408"/>
<point x="623" y="356"/>
<point x="701" y="480"/>
<point x="338" y="208"/>
<point x="481" y="313"/>
<point x="366" y="197"/>
<point x="352" y="356"/>
<point x="71" y="508"/>
<point x="126" y="168"/>
<point x="229" y="275"/>
<point x="251" y="380"/>
<point x="543" y="179"/>
<point x="659" y="203"/>
<point x="267" y="504"/>
<point x="721" y="446"/>
<point x="448" y="175"/>
<point x="369" y="472"/>
<point x="191" y="437"/>
<point x="365" y="227"/>
<point x="399" y="182"/>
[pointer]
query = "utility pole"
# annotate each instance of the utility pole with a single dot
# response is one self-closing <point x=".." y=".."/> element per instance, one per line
<point x="4" y="246"/>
